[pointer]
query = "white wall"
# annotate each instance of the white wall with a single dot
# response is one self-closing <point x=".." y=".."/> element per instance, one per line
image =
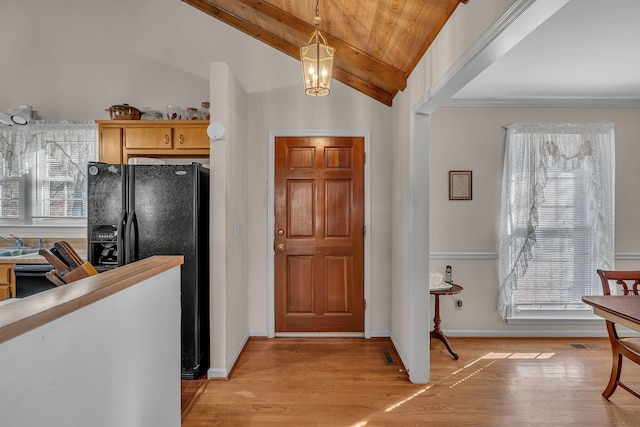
<point x="229" y="209"/>
<point x="115" y="362"/>
<point x="289" y="109"/>
<point x="71" y="59"/>
<point x="474" y="139"/>
<point x="466" y="25"/>
<point x="240" y="278"/>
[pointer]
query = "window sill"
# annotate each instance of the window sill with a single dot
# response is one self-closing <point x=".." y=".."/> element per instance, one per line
<point x="549" y="320"/>
<point x="58" y="230"/>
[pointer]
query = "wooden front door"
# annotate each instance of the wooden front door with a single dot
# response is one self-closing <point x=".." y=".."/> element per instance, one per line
<point x="319" y="234"/>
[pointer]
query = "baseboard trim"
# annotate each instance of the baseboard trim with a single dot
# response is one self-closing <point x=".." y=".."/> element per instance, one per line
<point x="319" y="334"/>
<point x="403" y="358"/>
<point x="219" y="373"/>
<point x="521" y="333"/>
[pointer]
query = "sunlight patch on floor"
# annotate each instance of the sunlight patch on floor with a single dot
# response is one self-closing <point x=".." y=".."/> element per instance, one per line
<point x="403" y="401"/>
<point x="545" y="356"/>
<point x="396" y="405"/>
<point x="523" y="356"/>
<point x="492" y="356"/>
<point x="474" y="373"/>
<point x="496" y="355"/>
<point x="518" y="356"/>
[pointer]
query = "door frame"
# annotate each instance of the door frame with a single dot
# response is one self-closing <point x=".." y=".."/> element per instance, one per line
<point x="273" y="134"/>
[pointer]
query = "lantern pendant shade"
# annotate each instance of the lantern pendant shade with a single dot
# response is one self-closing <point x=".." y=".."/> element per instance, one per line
<point x="317" y="65"/>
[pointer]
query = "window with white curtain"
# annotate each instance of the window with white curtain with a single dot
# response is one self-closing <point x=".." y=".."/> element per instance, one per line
<point x="43" y="178"/>
<point x="557" y="218"/>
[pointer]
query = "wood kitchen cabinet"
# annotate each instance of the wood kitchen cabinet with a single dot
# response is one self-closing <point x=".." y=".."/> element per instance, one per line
<point x="7" y="281"/>
<point x="120" y="140"/>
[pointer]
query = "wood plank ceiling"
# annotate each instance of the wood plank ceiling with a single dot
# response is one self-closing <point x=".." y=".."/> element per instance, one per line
<point x="378" y="43"/>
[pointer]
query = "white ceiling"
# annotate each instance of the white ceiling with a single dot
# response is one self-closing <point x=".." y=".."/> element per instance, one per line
<point x="589" y="51"/>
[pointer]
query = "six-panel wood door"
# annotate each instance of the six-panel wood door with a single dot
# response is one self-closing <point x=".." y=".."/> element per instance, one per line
<point x="319" y="234"/>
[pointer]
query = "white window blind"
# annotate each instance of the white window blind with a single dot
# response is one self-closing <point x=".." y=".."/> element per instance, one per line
<point x="13" y="166"/>
<point x="10" y="189"/>
<point x="557" y="220"/>
<point x="51" y="184"/>
<point x="561" y="269"/>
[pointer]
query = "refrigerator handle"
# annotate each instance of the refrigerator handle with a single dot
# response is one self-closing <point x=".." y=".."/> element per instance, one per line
<point x="122" y="220"/>
<point x="129" y="197"/>
<point x="130" y="240"/>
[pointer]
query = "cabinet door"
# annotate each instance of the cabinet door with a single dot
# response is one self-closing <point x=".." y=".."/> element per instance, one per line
<point x="156" y="138"/>
<point x="7" y="282"/>
<point x="5" y="292"/>
<point x="190" y="137"/>
<point x="111" y="145"/>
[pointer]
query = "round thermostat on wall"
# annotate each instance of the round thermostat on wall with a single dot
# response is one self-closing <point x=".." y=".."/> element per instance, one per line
<point x="215" y="131"/>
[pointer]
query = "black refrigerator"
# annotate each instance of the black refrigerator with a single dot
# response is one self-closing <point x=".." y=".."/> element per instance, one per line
<point x="136" y="211"/>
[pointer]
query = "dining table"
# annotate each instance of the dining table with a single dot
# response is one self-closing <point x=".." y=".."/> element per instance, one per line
<point x="619" y="309"/>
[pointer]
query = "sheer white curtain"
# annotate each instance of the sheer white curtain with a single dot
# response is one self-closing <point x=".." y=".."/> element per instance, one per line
<point x="71" y="142"/>
<point x="12" y="151"/>
<point x="532" y="150"/>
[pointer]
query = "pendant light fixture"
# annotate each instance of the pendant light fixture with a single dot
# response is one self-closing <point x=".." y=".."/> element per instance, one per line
<point x="317" y="61"/>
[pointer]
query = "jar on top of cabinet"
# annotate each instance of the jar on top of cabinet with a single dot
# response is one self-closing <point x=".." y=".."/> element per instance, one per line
<point x="204" y="111"/>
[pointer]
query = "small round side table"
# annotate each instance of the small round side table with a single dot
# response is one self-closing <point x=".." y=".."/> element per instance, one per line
<point x="437" y="332"/>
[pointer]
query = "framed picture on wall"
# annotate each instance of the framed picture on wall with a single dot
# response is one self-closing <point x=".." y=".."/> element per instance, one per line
<point x="460" y="185"/>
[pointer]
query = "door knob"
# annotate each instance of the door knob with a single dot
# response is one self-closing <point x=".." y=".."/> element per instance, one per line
<point x="280" y="247"/>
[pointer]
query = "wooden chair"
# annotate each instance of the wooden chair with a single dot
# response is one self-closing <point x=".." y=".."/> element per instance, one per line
<point x="628" y="282"/>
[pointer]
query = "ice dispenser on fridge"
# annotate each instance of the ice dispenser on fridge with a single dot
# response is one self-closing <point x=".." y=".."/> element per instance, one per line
<point x="103" y="247"/>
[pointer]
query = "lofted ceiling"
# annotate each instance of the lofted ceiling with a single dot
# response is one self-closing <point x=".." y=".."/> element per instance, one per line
<point x="585" y="54"/>
<point x="378" y="43"/>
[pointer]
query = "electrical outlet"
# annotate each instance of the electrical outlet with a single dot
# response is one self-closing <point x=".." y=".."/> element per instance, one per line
<point x="459" y="304"/>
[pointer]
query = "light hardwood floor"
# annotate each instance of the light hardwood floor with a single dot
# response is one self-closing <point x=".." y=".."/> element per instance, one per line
<point x="346" y="382"/>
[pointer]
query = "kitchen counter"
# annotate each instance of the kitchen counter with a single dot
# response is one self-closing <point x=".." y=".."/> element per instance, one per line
<point x="78" y="244"/>
<point x="31" y="259"/>
<point x="24" y="259"/>
<point x="28" y="283"/>
<point x="121" y="327"/>
<point x="25" y="314"/>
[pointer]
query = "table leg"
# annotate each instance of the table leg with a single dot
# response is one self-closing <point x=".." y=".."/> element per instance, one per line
<point x="437" y="332"/>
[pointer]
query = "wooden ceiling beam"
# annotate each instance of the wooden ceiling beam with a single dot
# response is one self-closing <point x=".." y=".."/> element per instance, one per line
<point x="392" y="78"/>
<point x="431" y="37"/>
<point x="379" y="81"/>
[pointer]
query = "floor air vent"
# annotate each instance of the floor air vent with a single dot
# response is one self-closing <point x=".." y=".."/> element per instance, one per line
<point x="388" y="356"/>
<point x="584" y="346"/>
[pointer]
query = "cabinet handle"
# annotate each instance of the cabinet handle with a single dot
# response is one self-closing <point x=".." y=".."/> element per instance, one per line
<point x="166" y="139"/>
<point x="181" y="139"/>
